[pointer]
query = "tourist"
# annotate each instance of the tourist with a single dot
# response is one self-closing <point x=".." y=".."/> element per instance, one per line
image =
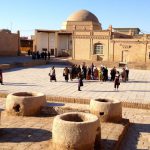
<point x="71" y="72"/>
<point x="101" y="73"/>
<point x="34" y="55"/>
<point x="113" y="73"/>
<point x="127" y="73"/>
<point x="78" y="69"/>
<point x="80" y="81"/>
<point x="84" y="70"/>
<point x="52" y="74"/>
<point x="117" y="81"/>
<point x="105" y="73"/>
<point x="66" y="74"/>
<point x="123" y="75"/>
<point x="95" y="72"/>
<point x="1" y="77"/>
<point x="29" y="52"/>
<point x="88" y="76"/>
<point x="45" y="55"/>
<point x="49" y="55"/>
<point x="92" y="71"/>
<point x="37" y="55"/>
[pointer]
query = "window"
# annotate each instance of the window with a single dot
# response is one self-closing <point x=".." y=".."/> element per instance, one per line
<point x="98" y="48"/>
<point x="44" y="49"/>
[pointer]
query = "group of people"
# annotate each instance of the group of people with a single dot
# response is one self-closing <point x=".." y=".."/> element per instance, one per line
<point x="92" y="73"/>
<point x="37" y="55"/>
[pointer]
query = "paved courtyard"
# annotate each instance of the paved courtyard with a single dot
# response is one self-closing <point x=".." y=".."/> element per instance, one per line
<point x="37" y="79"/>
<point x="34" y="133"/>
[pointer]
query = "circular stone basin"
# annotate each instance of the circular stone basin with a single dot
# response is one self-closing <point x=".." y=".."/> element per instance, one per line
<point x="75" y="131"/>
<point x="25" y="103"/>
<point x="107" y="110"/>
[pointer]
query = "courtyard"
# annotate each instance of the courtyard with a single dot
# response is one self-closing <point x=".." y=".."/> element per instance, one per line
<point x="137" y="89"/>
<point x="35" y="133"/>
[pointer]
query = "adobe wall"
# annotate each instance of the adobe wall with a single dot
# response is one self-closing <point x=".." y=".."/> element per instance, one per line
<point x="8" y="44"/>
<point x="134" y="50"/>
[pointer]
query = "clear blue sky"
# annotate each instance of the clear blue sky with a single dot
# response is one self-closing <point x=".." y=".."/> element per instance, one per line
<point x="27" y="15"/>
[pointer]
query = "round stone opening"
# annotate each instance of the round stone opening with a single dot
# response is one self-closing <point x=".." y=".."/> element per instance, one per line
<point x="23" y="94"/>
<point x="25" y="103"/>
<point x="74" y="118"/>
<point x="102" y="100"/>
<point x="107" y="110"/>
<point x="70" y="131"/>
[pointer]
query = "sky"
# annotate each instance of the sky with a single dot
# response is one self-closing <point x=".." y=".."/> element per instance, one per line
<point x="28" y="15"/>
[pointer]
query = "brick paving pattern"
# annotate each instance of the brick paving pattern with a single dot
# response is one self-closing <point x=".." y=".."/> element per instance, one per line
<point x="37" y="79"/>
<point x="34" y="133"/>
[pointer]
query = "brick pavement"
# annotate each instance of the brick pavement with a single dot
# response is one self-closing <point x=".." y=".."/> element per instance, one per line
<point x="37" y="79"/>
<point x="35" y="132"/>
<point x="138" y="136"/>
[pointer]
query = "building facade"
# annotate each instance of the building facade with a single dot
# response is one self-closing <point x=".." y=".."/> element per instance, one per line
<point x="26" y="44"/>
<point x="9" y="43"/>
<point x="83" y="38"/>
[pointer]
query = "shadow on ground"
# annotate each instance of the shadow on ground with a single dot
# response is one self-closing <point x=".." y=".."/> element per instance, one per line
<point x="18" y="84"/>
<point x="16" y="135"/>
<point x="132" y="137"/>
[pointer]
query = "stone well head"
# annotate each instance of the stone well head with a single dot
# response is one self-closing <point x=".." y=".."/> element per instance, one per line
<point x="106" y="109"/>
<point x="25" y="103"/>
<point x="75" y="131"/>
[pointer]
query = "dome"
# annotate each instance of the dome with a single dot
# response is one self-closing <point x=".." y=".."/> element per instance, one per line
<point x="83" y="15"/>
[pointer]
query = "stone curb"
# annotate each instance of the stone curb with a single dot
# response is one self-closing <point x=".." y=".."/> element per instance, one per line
<point x="60" y="99"/>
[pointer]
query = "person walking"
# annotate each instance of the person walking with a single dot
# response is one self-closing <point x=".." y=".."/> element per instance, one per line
<point x="127" y="73"/>
<point x="1" y="77"/>
<point x="66" y="74"/>
<point x="117" y="81"/>
<point x="113" y="73"/>
<point x="49" y="55"/>
<point x="52" y="74"/>
<point x="80" y="81"/>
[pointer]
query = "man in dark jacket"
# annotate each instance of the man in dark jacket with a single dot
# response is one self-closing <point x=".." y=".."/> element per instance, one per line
<point x="1" y="77"/>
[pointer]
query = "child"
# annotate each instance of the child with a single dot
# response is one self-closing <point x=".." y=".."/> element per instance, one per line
<point x="80" y="82"/>
<point x="117" y="81"/>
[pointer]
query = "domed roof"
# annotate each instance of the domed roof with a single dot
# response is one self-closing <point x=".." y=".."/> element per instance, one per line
<point x="83" y="15"/>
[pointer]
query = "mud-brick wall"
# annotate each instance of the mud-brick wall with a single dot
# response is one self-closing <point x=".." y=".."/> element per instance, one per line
<point x="8" y="43"/>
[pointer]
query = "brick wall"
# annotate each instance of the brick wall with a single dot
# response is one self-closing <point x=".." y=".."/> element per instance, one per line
<point x="8" y="44"/>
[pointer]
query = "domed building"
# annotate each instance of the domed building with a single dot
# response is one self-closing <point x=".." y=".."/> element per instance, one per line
<point x="82" y="20"/>
<point x="83" y="38"/>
